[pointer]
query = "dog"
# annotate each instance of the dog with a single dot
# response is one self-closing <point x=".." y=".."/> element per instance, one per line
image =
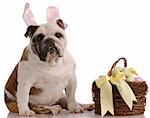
<point x="44" y="80"/>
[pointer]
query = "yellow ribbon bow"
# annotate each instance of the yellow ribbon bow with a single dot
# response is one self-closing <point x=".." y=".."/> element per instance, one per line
<point x="105" y="95"/>
<point x="118" y="79"/>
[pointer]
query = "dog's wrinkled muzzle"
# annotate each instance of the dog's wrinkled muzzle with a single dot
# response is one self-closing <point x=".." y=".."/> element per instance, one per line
<point x="50" y="50"/>
<point x="52" y="54"/>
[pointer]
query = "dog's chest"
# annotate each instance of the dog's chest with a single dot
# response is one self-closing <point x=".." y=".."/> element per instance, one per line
<point x="51" y="76"/>
<point x="51" y="82"/>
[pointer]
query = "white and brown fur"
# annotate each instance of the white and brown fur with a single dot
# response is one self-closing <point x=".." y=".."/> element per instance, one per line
<point x="37" y="86"/>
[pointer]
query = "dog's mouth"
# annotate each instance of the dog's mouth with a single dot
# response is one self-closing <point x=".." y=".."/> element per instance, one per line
<point x="48" y="49"/>
<point x="52" y="54"/>
<point x="49" y="53"/>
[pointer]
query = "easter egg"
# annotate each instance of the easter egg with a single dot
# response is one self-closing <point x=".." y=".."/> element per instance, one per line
<point x="138" y="79"/>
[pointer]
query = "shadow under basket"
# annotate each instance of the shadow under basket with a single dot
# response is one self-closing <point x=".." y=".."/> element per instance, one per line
<point x="139" y="88"/>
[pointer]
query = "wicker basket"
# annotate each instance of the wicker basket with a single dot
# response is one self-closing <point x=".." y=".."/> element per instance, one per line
<point x="120" y="108"/>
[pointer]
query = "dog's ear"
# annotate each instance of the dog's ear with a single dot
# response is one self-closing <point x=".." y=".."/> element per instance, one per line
<point x="30" y="31"/>
<point x="61" y="24"/>
<point x="28" y="16"/>
<point x="52" y="14"/>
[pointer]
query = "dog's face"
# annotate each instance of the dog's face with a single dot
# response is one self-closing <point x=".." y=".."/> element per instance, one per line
<point x="48" y="40"/>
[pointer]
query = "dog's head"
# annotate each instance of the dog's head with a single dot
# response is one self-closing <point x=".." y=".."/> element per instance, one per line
<point x="48" y="41"/>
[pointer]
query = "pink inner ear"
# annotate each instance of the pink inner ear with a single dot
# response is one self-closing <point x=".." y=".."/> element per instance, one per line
<point x="28" y="15"/>
<point x="52" y="14"/>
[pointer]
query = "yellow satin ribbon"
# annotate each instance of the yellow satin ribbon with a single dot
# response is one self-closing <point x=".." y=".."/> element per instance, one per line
<point x="105" y="95"/>
<point x="118" y="79"/>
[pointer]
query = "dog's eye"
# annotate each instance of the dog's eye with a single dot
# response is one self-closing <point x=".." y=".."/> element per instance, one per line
<point x="39" y="37"/>
<point x="58" y="35"/>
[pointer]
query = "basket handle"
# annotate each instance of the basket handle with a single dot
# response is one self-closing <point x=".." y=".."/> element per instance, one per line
<point x="114" y="65"/>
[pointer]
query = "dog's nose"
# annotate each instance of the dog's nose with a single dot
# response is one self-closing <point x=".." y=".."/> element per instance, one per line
<point x="51" y="46"/>
<point x="49" y="41"/>
<point x="52" y="50"/>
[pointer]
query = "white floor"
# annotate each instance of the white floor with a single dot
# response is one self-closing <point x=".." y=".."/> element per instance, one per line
<point x="66" y="114"/>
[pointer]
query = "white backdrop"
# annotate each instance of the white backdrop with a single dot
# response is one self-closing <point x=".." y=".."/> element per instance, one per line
<point x="99" y="32"/>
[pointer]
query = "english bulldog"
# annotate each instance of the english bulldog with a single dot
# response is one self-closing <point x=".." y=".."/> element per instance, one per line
<point x="44" y="80"/>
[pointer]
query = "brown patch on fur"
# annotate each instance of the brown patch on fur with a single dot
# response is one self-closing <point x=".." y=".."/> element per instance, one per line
<point x="12" y="106"/>
<point x="39" y="109"/>
<point x="11" y="84"/>
<point x="60" y="23"/>
<point x="35" y="91"/>
<point x="30" y="31"/>
<point x="33" y="46"/>
<point x="62" y="102"/>
<point x="25" y="55"/>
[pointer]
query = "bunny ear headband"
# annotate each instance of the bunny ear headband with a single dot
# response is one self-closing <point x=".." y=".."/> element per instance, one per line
<point x="52" y="15"/>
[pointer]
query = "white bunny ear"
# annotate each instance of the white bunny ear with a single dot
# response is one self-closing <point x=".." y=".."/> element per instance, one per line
<point x="28" y="15"/>
<point x="52" y="14"/>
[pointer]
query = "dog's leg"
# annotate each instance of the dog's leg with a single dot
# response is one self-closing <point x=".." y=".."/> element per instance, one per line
<point x="25" y="82"/>
<point x="23" y="89"/>
<point x="23" y="99"/>
<point x="73" y="106"/>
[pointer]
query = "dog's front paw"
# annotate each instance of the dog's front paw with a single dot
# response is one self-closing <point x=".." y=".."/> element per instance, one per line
<point x="75" y="108"/>
<point x="27" y="112"/>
